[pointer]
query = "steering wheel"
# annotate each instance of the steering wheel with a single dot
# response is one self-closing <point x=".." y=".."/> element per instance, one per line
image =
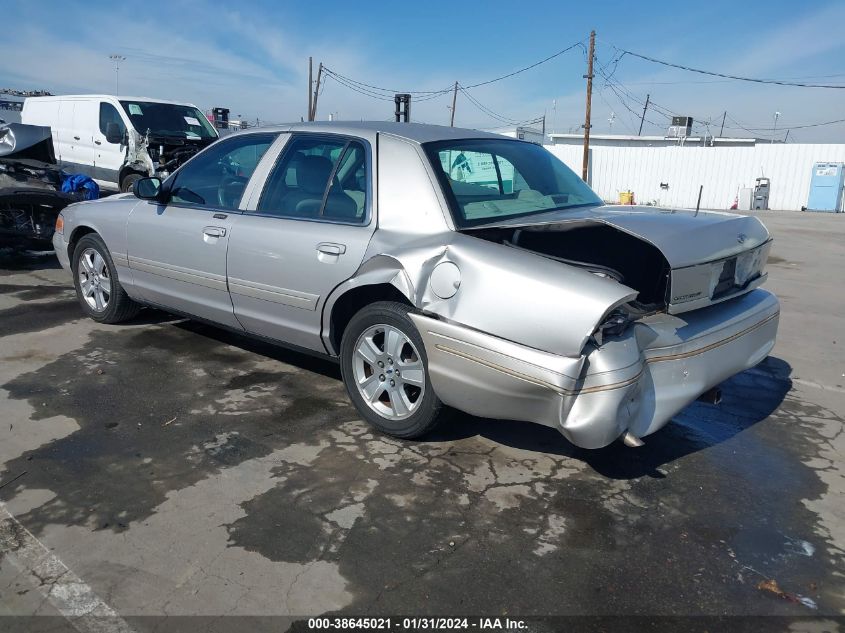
<point x="230" y="190"/>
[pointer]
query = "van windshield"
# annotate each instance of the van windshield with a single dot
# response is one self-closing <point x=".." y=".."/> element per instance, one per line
<point x="168" y="119"/>
<point x="488" y="180"/>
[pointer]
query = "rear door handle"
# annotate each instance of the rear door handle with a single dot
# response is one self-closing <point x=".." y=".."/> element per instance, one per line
<point x="97" y="143"/>
<point x="76" y="138"/>
<point x="214" y="231"/>
<point x="330" y="248"/>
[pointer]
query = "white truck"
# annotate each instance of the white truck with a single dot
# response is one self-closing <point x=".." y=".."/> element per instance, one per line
<point x="118" y="140"/>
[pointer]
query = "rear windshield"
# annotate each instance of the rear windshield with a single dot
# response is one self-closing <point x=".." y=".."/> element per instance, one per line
<point x="168" y="119"/>
<point x="486" y="180"/>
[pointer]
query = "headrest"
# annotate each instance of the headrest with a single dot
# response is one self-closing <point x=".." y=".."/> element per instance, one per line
<point x="312" y="173"/>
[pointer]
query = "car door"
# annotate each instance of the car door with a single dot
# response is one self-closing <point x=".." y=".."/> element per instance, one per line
<point x="108" y="157"/>
<point x="301" y="235"/>
<point x="177" y="249"/>
<point x="71" y="150"/>
<point x="85" y="115"/>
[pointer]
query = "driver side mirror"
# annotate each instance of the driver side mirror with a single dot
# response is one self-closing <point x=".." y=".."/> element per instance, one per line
<point x="147" y="189"/>
<point x="114" y="133"/>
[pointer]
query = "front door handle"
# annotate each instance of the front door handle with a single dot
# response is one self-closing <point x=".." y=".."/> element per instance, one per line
<point x="330" y="248"/>
<point x="76" y="138"/>
<point x="214" y="231"/>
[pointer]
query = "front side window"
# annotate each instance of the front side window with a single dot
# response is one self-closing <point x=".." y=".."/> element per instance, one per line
<point x="168" y="119"/>
<point x="318" y="178"/>
<point x="218" y="176"/>
<point x="109" y="114"/>
<point x="486" y="180"/>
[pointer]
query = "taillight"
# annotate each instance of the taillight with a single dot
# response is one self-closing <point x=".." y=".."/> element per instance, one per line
<point x="60" y="225"/>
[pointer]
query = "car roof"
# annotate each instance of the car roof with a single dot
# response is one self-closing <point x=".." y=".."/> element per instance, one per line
<point x="104" y="96"/>
<point x="416" y="132"/>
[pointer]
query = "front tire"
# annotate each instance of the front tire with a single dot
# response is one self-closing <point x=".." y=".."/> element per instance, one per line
<point x="128" y="182"/>
<point x="385" y="370"/>
<point x="97" y="286"/>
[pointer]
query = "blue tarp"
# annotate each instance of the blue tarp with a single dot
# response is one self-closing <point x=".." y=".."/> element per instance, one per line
<point x="80" y="183"/>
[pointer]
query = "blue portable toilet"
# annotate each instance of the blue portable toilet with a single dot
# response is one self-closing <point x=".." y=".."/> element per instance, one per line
<point x="826" y="187"/>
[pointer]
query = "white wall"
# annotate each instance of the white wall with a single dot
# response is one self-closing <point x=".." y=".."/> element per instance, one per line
<point x="722" y="171"/>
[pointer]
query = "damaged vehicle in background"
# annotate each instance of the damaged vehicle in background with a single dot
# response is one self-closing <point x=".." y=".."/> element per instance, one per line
<point x="442" y="268"/>
<point x="31" y="187"/>
<point x="118" y="141"/>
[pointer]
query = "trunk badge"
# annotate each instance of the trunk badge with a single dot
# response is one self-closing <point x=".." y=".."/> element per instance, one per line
<point x="741" y="238"/>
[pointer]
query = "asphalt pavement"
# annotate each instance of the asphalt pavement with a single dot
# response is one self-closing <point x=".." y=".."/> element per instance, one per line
<point x="164" y="467"/>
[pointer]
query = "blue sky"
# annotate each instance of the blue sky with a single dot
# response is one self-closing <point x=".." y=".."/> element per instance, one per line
<point x="252" y="58"/>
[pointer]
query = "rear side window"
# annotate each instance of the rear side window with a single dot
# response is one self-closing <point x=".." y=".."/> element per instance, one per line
<point x="109" y="114"/>
<point x="318" y="178"/>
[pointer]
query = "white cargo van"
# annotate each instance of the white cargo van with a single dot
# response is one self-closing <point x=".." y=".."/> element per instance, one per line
<point x="118" y="140"/>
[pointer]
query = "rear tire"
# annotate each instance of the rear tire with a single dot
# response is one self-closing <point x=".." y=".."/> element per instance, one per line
<point x="97" y="287"/>
<point x="385" y="370"/>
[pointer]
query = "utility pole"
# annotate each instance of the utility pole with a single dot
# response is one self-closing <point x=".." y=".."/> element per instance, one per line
<point x="312" y="116"/>
<point x="544" y="128"/>
<point x="722" y="129"/>
<point x="589" y="77"/>
<point x="642" y="118"/>
<point x="310" y="86"/>
<point x="454" y="100"/>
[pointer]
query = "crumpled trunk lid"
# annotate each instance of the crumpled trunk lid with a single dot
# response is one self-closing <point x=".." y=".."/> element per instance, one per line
<point x="711" y="256"/>
<point x="686" y="237"/>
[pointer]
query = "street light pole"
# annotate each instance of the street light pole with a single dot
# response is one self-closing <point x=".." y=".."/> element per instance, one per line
<point x="117" y="59"/>
<point x="775" y="127"/>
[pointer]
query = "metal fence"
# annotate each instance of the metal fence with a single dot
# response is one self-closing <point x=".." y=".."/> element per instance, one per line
<point x="671" y="176"/>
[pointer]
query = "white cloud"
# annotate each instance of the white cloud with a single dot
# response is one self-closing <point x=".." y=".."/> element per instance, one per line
<point x="233" y="58"/>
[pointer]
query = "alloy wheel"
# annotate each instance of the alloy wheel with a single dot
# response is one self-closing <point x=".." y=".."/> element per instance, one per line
<point x="94" y="280"/>
<point x="389" y="372"/>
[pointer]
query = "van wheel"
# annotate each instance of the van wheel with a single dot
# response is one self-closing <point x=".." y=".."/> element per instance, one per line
<point x="129" y="181"/>
<point x="385" y="370"/>
<point x="97" y="286"/>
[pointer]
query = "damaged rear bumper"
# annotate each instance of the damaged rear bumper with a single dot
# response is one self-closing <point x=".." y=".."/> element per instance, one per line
<point x="633" y="383"/>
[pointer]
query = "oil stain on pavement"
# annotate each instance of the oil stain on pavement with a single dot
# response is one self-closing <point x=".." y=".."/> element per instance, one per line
<point x="209" y="469"/>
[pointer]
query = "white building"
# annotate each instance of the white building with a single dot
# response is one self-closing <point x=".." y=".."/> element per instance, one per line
<point x="624" y="140"/>
<point x="666" y="172"/>
<point x="521" y="132"/>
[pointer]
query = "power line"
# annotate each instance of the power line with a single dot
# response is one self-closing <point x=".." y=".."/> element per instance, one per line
<point x="499" y="117"/>
<point x="779" y="82"/>
<point x="716" y="81"/>
<point x="797" y="127"/>
<point x="534" y="65"/>
<point x="387" y="91"/>
<point x="382" y="92"/>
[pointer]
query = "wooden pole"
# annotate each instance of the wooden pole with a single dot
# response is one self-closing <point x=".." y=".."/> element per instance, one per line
<point x="310" y="86"/>
<point x="313" y="116"/>
<point x="642" y="118"/>
<point x="454" y="100"/>
<point x="589" y="77"/>
<point x="722" y="130"/>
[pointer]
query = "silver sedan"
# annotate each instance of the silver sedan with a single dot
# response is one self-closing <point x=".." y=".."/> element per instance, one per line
<point x="443" y="268"/>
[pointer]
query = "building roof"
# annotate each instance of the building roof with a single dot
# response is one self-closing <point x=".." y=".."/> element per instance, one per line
<point x="651" y="139"/>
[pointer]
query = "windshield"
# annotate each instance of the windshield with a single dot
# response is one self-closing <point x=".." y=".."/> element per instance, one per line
<point x="486" y="180"/>
<point x="168" y="119"/>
